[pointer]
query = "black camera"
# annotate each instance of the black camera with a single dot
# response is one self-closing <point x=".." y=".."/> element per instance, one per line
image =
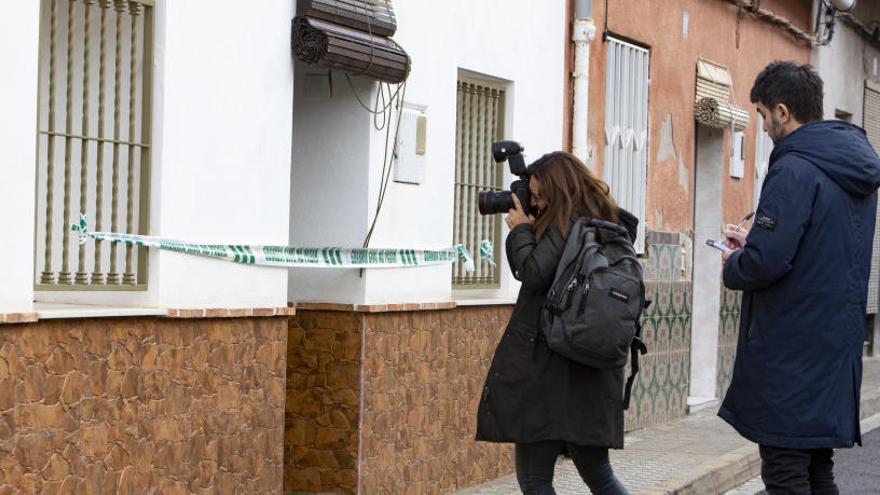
<point x="491" y="202"/>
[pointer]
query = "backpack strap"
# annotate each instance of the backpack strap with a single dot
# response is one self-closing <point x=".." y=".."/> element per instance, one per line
<point x="635" y="348"/>
<point x="613" y="227"/>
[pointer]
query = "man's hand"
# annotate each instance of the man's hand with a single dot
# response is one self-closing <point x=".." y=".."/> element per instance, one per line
<point x="727" y="254"/>
<point x="516" y="215"/>
<point x="735" y="236"/>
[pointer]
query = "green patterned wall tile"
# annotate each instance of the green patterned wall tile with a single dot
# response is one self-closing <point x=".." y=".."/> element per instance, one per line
<point x="649" y="265"/>
<point x="660" y="391"/>
<point x="669" y="262"/>
<point x="651" y="289"/>
<point x="679" y="335"/>
<point x="687" y="293"/>
<point x="728" y="331"/>
<point x="663" y="262"/>
<point x="663" y="338"/>
<point x="664" y="299"/>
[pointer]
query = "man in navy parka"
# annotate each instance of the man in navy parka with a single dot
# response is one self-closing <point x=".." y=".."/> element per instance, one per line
<point x="803" y="269"/>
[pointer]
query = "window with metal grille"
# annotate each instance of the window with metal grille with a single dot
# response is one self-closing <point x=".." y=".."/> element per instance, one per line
<point x="479" y="122"/>
<point x="626" y="128"/>
<point x="93" y="141"/>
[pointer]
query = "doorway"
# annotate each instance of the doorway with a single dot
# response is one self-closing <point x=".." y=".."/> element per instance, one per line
<point x="708" y="220"/>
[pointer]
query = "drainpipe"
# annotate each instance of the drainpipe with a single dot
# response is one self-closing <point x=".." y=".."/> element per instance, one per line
<point x="583" y="32"/>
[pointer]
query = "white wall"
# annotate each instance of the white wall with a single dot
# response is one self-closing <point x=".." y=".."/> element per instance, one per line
<point x="707" y="263"/>
<point x="505" y="39"/>
<point x="224" y="161"/>
<point x="19" y="37"/>
<point x="110" y="298"/>
<point x="844" y="65"/>
<point x="223" y="98"/>
<point x="331" y="157"/>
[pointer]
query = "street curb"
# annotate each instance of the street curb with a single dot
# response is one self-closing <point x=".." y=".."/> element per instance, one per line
<point x="736" y="467"/>
<point x="716" y="476"/>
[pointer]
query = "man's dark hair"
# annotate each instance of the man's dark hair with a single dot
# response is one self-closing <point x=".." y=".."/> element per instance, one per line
<point x="796" y="86"/>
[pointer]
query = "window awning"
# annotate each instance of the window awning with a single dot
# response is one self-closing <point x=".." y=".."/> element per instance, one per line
<point x="351" y="36"/>
<point x="712" y="106"/>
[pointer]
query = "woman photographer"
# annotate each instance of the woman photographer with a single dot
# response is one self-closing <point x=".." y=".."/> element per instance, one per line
<point x="533" y="397"/>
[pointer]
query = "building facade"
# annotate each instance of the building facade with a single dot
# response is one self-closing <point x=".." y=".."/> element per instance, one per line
<point x="848" y="65"/>
<point x="129" y="368"/>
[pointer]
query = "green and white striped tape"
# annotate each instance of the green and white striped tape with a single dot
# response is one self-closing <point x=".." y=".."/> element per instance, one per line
<point x="296" y="257"/>
<point x="487" y="250"/>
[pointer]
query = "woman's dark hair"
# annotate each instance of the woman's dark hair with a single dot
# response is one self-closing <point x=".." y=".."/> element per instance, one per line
<point x="569" y="189"/>
<point x="796" y="86"/>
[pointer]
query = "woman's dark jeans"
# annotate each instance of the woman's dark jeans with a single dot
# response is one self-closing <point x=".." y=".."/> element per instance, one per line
<point x="535" y="463"/>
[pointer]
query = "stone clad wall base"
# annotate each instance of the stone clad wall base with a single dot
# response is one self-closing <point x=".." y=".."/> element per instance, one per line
<point x="323" y="402"/>
<point x="129" y="405"/>
<point x="423" y="378"/>
<point x="387" y="402"/>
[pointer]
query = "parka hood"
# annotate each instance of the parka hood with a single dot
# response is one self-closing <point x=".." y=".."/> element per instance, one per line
<point x="839" y="149"/>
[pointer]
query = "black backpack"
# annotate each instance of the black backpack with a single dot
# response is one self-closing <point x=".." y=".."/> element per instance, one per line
<point x="592" y="311"/>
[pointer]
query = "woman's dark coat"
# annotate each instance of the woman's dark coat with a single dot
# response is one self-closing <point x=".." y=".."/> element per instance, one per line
<point x="804" y="273"/>
<point x="531" y="393"/>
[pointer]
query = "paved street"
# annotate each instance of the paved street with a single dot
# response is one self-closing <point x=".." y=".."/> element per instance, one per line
<point x="655" y="458"/>
<point x="701" y="454"/>
<point x="858" y="470"/>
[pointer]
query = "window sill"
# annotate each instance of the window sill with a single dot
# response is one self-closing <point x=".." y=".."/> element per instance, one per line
<point x="374" y="308"/>
<point x="47" y="311"/>
<point x="485" y="301"/>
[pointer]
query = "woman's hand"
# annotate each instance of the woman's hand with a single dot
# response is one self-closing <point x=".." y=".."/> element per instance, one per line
<point x="516" y="215"/>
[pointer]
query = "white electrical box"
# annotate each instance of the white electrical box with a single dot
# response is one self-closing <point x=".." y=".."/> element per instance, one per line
<point x="685" y="19"/>
<point x="409" y="161"/>
<point x="737" y="154"/>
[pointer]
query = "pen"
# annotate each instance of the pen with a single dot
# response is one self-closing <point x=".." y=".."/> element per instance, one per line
<point x="744" y="220"/>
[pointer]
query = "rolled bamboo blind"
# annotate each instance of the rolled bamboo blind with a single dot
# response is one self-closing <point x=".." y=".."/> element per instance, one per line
<point x="350" y="36"/>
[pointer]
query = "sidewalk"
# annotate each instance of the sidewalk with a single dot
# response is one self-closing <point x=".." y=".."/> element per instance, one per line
<point x="696" y="454"/>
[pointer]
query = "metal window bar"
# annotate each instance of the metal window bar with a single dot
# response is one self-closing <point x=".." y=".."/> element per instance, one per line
<point x="88" y="49"/>
<point x="459" y="213"/>
<point x="479" y="117"/>
<point x="626" y="128"/>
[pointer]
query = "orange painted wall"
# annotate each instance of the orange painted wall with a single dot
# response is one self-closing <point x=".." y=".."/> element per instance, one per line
<point x="712" y="36"/>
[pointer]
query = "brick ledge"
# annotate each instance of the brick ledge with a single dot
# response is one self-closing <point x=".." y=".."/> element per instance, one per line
<point x="375" y="308"/>
<point x="10" y="318"/>
<point x="78" y="312"/>
<point x="230" y="312"/>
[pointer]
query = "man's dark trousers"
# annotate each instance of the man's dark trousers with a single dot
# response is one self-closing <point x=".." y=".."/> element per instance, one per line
<point x="797" y="471"/>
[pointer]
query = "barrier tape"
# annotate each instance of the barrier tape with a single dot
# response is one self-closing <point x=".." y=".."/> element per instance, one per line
<point x="487" y="252"/>
<point x="296" y="257"/>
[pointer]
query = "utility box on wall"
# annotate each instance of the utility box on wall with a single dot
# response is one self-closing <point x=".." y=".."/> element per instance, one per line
<point x="411" y="146"/>
<point x="738" y="155"/>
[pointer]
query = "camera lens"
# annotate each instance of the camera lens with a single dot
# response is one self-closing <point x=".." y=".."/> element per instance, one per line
<point x="491" y="203"/>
